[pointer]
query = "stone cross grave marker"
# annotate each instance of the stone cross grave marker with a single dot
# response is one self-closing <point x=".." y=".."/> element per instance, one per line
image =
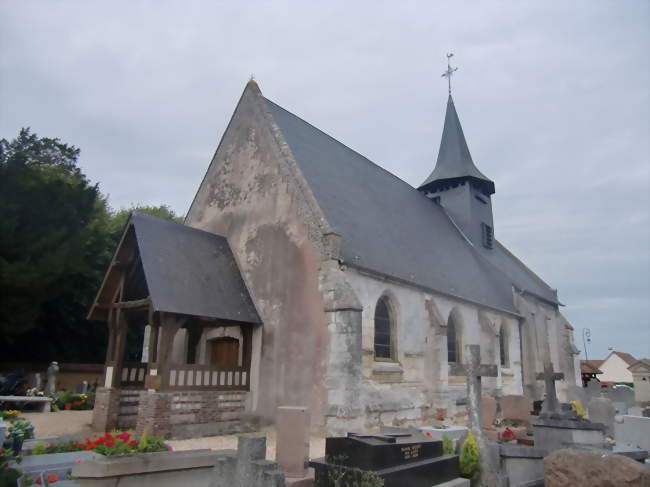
<point x="551" y="405"/>
<point x="474" y="370"/>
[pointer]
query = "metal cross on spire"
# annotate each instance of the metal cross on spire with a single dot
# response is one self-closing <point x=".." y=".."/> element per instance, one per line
<point x="447" y="74"/>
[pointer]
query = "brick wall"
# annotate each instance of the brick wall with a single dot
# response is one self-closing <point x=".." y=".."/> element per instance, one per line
<point x="106" y="410"/>
<point x="191" y="414"/>
<point x="129" y="401"/>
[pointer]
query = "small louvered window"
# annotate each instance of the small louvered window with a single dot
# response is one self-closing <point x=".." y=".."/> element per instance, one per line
<point x="488" y="236"/>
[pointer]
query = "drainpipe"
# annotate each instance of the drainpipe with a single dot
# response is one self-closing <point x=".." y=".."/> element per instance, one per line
<point x="521" y="354"/>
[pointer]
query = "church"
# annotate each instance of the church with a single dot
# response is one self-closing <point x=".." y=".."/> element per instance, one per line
<point x="306" y="275"/>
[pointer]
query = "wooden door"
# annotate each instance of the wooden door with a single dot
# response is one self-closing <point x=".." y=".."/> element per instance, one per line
<point x="224" y="352"/>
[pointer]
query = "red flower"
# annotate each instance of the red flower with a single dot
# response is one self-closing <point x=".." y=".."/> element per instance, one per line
<point x="507" y="434"/>
<point x="51" y="478"/>
<point x="124" y="436"/>
<point x="428" y="434"/>
<point x="110" y="443"/>
<point x="133" y="443"/>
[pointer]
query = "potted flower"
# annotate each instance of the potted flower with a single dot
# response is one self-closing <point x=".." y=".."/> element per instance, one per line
<point x="18" y="432"/>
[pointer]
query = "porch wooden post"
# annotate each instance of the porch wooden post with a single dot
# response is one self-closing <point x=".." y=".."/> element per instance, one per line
<point x="110" y="347"/>
<point x="170" y="324"/>
<point x="247" y="335"/>
<point x="120" y="327"/>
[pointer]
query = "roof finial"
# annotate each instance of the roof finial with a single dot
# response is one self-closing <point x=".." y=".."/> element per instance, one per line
<point x="447" y="74"/>
<point x="252" y="78"/>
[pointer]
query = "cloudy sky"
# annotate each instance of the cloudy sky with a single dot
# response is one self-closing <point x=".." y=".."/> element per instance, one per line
<point x="553" y="97"/>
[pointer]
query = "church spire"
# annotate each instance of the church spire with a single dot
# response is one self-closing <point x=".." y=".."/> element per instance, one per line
<point x="454" y="164"/>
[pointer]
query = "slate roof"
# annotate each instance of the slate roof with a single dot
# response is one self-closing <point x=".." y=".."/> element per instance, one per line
<point x="390" y="227"/>
<point x="191" y="272"/>
<point x="454" y="161"/>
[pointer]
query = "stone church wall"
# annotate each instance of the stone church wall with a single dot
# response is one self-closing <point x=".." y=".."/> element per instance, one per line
<point x="416" y="387"/>
<point x="545" y="335"/>
<point x="253" y="196"/>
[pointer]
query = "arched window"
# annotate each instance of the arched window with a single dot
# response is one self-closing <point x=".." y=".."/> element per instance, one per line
<point x="503" y="346"/>
<point x="453" y="345"/>
<point x="384" y="346"/>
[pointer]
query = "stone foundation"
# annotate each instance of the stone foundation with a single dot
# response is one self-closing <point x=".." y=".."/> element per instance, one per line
<point x="190" y="414"/>
<point x="129" y="402"/>
<point x="106" y="410"/>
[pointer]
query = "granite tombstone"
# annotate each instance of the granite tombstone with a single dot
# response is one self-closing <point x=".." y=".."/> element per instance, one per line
<point x="399" y="459"/>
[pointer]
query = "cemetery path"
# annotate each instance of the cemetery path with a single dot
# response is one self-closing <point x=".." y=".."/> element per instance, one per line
<point x="78" y="423"/>
<point x="61" y="423"/>
<point x="316" y="444"/>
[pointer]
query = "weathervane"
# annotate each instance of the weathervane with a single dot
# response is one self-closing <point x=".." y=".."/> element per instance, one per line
<point x="447" y="74"/>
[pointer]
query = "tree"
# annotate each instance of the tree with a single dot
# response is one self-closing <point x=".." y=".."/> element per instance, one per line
<point x="53" y="245"/>
<point x="57" y="236"/>
<point x="120" y="217"/>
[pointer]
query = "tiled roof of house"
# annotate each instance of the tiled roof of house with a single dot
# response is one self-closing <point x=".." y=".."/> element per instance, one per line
<point x="590" y="366"/>
<point x="627" y="358"/>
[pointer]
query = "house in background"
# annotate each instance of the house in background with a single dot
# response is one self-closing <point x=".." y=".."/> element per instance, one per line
<point x="640" y="371"/>
<point x="614" y="368"/>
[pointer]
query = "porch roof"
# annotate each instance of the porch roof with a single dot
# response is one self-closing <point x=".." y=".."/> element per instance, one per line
<point x="189" y="271"/>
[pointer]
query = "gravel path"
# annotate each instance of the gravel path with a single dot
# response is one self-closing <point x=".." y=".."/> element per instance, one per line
<point x="78" y="423"/>
<point x="316" y="444"/>
<point x="61" y="423"/>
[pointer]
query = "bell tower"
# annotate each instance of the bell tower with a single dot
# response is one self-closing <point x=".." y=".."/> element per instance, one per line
<point x="456" y="183"/>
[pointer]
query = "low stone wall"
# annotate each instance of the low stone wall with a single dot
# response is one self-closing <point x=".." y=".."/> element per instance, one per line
<point x="106" y="410"/>
<point x="634" y="431"/>
<point x="164" y="469"/>
<point x="247" y="466"/>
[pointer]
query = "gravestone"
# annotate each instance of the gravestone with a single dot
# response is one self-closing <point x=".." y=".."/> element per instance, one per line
<point x="635" y="411"/>
<point x="577" y="393"/>
<point x="400" y="459"/>
<point x="488" y="411"/>
<point x="3" y="432"/>
<point x="474" y="370"/>
<point x="551" y="406"/>
<point x="247" y="467"/>
<point x="633" y="431"/>
<point x="601" y="410"/>
<point x="52" y="370"/>
<point x="515" y="408"/>
<point x="622" y="394"/>
<point x="292" y="443"/>
<point x="593" y="390"/>
<point x="82" y="387"/>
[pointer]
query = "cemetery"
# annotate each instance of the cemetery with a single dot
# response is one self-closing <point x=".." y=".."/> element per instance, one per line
<point x="313" y="319"/>
<point x="505" y="443"/>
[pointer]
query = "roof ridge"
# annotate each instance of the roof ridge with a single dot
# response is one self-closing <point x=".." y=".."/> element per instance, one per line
<point x="528" y="269"/>
<point x="342" y="144"/>
<point x="157" y="219"/>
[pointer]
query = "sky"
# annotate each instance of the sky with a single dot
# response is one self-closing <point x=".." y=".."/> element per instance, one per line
<point x="552" y="96"/>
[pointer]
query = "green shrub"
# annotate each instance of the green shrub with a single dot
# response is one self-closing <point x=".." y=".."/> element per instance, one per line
<point x="339" y="475"/>
<point x="469" y="457"/>
<point x="448" y="445"/>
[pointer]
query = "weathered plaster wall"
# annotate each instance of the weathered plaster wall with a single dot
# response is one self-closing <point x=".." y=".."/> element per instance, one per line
<point x="255" y="198"/>
<point x="545" y="336"/>
<point x="417" y="386"/>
